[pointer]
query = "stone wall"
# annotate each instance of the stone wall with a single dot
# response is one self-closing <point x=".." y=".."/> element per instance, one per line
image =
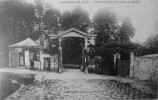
<point x="144" y="67"/>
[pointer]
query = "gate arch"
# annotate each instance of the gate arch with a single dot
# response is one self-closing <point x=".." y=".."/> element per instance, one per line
<point x="73" y="32"/>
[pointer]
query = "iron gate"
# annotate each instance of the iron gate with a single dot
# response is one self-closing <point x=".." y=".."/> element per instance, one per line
<point x="123" y="67"/>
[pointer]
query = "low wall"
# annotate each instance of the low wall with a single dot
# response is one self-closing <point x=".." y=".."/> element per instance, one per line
<point x="53" y="62"/>
<point x="37" y="65"/>
<point x="144" y="67"/>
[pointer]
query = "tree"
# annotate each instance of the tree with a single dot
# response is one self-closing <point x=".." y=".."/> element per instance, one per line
<point x="39" y="13"/>
<point x="111" y="37"/>
<point x="16" y="20"/>
<point x="66" y="20"/>
<point x="108" y="30"/>
<point x="52" y="20"/>
<point x="152" y="41"/>
<point x="16" y="23"/>
<point x="105" y="26"/>
<point x="78" y="18"/>
<point x="126" y="31"/>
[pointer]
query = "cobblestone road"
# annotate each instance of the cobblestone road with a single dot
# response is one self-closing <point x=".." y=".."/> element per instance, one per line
<point x="79" y="89"/>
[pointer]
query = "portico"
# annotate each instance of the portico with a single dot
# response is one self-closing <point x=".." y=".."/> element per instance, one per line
<point x="88" y="39"/>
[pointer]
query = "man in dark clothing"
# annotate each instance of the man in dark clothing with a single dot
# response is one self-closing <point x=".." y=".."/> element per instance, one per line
<point x="31" y="64"/>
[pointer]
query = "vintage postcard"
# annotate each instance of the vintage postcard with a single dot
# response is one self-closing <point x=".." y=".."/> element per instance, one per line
<point x="78" y="49"/>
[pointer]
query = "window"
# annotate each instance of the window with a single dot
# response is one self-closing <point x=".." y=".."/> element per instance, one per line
<point x="34" y="55"/>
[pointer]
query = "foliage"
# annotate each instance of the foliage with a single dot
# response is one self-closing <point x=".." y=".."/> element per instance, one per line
<point x="54" y="46"/>
<point x="52" y="20"/>
<point x="152" y="41"/>
<point x="112" y="36"/>
<point x="107" y="28"/>
<point x="109" y="49"/>
<point x="78" y="19"/>
<point x="105" y="25"/>
<point x="126" y="30"/>
<point x="144" y="50"/>
<point x="17" y="20"/>
<point x="149" y="46"/>
<point x="91" y="51"/>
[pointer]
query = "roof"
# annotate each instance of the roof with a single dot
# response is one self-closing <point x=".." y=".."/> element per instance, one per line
<point x="27" y="43"/>
<point x="73" y="30"/>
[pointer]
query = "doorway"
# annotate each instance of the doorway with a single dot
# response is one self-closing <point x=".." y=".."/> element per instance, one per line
<point x="21" y="59"/>
<point x="72" y="52"/>
<point x="47" y="63"/>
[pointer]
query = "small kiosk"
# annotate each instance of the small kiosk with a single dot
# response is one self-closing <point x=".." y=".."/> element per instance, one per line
<point x="21" y="53"/>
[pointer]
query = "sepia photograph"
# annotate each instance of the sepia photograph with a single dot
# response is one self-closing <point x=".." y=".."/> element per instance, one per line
<point x="78" y="49"/>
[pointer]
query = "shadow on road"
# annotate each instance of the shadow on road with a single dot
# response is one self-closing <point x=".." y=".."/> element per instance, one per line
<point x="10" y="82"/>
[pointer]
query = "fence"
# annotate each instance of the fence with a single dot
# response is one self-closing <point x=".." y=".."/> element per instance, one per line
<point x="121" y="65"/>
<point x="107" y="69"/>
<point x="54" y="65"/>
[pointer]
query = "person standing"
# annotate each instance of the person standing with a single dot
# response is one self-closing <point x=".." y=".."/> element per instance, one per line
<point x="31" y="65"/>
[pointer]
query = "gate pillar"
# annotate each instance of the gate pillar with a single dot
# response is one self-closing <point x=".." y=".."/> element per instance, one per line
<point x="84" y="58"/>
<point x="116" y="56"/>
<point x="85" y="51"/>
<point x="132" y="57"/>
<point x="85" y="42"/>
<point x="9" y="58"/>
<point x="60" y="56"/>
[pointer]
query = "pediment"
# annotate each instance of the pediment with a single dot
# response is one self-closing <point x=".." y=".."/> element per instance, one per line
<point x="73" y="33"/>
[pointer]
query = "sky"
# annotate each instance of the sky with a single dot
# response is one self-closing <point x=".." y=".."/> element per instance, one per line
<point x="143" y="13"/>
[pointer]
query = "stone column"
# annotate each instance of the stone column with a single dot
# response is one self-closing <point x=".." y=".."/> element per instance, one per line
<point x="82" y="58"/>
<point x="85" y="49"/>
<point x="27" y="62"/>
<point x="85" y="60"/>
<point x="114" y="60"/>
<point x="60" y="56"/>
<point x="116" y="56"/>
<point x="9" y="57"/>
<point x="132" y="57"/>
<point x="86" y="43"/>
<point x="41" y="67"/>
<point x="85" y="56"/>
